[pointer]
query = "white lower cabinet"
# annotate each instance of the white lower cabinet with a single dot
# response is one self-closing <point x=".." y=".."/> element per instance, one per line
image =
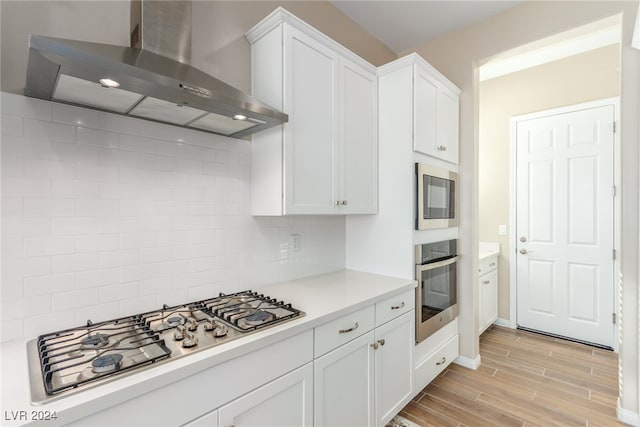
<point x="488" y="295"/>
<point x="286" y="401"/>
<point x="366" y="381"/>
<point x="343" y="385"/>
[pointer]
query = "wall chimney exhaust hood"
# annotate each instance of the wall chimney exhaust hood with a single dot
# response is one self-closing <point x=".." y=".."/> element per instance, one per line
<point x="151" y="80"/>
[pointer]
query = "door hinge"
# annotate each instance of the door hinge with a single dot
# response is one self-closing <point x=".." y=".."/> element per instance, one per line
<point x="614" y="253"/>
<point x="613" y="316"/>
<point x="614" y="127"/>
<point x="614" y="191"/>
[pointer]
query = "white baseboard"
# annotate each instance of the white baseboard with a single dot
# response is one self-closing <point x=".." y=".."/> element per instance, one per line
<point x="626" y="416"/>
<point x="504" y="323"/>
<point x="468" y="362"/>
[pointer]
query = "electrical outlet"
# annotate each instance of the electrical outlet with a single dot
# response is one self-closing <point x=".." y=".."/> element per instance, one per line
<point x="502" y="229"/>
<point x="294" y="242"/>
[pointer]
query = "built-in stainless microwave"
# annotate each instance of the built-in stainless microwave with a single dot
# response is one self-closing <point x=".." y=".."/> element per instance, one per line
<point x="437" y="198"/>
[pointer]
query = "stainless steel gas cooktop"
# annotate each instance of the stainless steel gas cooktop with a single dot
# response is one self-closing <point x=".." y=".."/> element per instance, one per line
<point x="67" y="361"/>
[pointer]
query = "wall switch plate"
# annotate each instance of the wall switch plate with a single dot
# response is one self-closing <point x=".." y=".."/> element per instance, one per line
<point x="294" y="242"/>
<point x="502" y="229"/>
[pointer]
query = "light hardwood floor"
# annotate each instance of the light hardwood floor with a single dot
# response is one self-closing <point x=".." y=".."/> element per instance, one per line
<point x="525" y="379"/>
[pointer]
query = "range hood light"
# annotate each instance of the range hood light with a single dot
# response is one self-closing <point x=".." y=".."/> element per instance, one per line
<point x="239" y="117"/>
<point x="109" y="83"/>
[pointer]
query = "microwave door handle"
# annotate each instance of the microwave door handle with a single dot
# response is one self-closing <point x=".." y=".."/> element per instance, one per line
<point x="443" y="263"/>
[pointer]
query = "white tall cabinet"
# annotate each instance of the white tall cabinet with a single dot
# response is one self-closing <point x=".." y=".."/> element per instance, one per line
<point x="324" y="160"/>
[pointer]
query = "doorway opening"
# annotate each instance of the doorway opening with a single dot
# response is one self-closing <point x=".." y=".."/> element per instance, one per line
<point x="576" y="67"/>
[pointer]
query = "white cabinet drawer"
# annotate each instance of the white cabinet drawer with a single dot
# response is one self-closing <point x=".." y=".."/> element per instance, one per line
<point x="488" y="265"/>
<point x="395" y="306"/>
<point x="429" y="368"/>
<point x="342" y="330"/>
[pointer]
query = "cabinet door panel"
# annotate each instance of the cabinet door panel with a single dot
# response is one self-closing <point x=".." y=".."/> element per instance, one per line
<point x="310" y="135"/>
<point x="394" y="366"/>
<point x="425" y="114"/>
<point x="286" y="401"/>
<point x="343" y="385"/>
<point x="488" y="299"/>
<point x="358" y="142"/>
<point x="447" y="125"/>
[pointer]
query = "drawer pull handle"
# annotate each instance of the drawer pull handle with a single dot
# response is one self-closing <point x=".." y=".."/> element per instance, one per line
<point x="486" y="282"/>
<point x="492" y="264"/>
<point x="351" y="329"/>
<point x="442" y="361"/>
<point x="397" y="307"/>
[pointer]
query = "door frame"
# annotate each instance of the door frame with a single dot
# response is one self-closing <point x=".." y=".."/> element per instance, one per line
<point x="617" y="204"/>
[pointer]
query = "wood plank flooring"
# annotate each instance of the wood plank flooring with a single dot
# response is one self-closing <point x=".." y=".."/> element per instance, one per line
<point x="525" y="379"/>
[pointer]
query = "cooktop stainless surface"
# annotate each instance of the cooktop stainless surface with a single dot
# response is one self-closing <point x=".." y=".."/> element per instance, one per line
<point x="64" y="362"/>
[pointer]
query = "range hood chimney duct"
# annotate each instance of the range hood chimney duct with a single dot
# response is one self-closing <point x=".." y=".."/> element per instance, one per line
<point x="151" y="80"/>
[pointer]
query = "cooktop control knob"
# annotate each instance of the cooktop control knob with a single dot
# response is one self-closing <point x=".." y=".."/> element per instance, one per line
<point x="192" y="324"/>
<point x="190" y="341"/>
<point x="220" y="331"/>
<point x="180" y="333"/>
<point x="210" y="325"/>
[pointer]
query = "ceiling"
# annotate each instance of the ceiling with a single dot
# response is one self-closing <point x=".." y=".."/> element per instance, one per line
<point x="419" y="20"/>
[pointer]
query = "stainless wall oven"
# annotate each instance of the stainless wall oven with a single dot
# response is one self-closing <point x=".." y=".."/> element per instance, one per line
<point x="437" y="197"/>
<point x="437" y="291"/>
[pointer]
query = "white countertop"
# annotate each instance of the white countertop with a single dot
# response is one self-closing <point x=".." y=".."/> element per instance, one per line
<point x="322" y="298"/>
<point x="488" y="250"/>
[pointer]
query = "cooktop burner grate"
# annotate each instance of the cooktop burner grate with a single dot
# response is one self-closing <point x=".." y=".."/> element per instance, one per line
<point x="66" y="361"/>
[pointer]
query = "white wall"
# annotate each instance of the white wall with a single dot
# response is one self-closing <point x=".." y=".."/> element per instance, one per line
<point x="106" y="216"/>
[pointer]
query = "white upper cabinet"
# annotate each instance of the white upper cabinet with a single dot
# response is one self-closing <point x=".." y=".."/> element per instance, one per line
<point x="324" y="160"/>
<point x="436" y="109"/>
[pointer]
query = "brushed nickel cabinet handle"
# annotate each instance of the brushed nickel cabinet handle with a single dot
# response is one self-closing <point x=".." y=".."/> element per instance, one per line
<point x="397" y="307"/>
<point x="381" y="342"/>
<point x="486" y="282"/>
<point x="351" y="329"/>
<point x="343" y="203"/>
<point x="442" y="361"/>
<point x="374" y="345"/>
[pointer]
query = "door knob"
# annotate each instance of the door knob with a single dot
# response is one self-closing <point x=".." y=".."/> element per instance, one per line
<point x="523" y="251"/>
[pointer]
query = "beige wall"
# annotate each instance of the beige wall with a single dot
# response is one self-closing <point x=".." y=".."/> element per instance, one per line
<point x="457" y="56"/>
<point x="219" y="46"/>
<point x="580" y="78"/>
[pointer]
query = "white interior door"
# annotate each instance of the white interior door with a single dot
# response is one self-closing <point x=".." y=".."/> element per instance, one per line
<point x="564" y="226"/>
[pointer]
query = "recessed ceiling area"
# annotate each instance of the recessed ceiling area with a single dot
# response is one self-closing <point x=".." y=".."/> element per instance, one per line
<point x="418" y="21"/>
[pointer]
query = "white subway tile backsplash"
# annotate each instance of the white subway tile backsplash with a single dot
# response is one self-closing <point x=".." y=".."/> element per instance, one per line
<point x="37" y="246"/>
<point x="120" y="124"/>
<point x="97" y="207"/>
<point x="99" y="173"/>
<point x="74" y="226"/>
<point x="48" y="285"/>
<point x="97" y="243"/>
<point x="38" y="168"/>
<point x="39" y="129"/>
<point x="22" y="106"/>
<point x="96" y="278"/>
<point x="19" y="267"/>
<point x="25" y="187"/>
<point x="72" y="152"/>
<point x="79" y="298"/>
<point x="75" y="116"/>
<point x="118" y="258"/>
<point x="74" y="262"/>
<point x="11" y="125"/>
<point x="101" y="138"/>
<point x="147" y="219"/>
<point x="49" y="207"/>
<point x="138" y="240"/>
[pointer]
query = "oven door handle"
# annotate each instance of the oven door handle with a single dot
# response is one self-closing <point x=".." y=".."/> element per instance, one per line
<point x="443" y="263"/>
